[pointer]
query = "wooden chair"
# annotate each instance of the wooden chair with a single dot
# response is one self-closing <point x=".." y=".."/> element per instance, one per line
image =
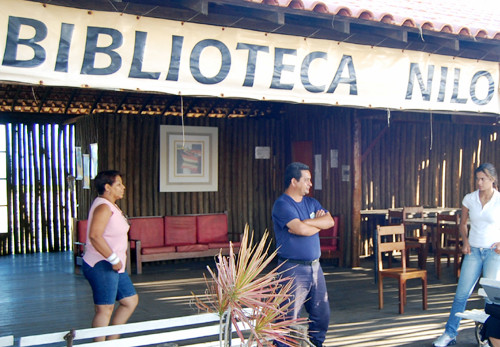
<point x="416" y="235"/>
<point x="392" y="238"/>
<point x="395" y="217"/>
<point x="448" y="243"/>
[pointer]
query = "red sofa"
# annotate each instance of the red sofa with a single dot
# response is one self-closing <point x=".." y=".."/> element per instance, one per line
<point x="331" y="241"/>
<point x="179" y="237"/>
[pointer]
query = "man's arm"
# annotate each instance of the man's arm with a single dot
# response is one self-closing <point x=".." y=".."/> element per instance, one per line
<point x="322" y="220"/>
<point x="298" y="227"/>
<point x="308" y="227"/>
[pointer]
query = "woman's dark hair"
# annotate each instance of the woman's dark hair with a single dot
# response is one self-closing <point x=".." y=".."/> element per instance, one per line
<point x="293" y="170"/>
<point x="103" y="178"/>
<point x="489" y="170"/>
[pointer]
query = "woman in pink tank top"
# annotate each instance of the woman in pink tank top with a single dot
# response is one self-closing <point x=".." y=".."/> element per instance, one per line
<point x="106" y="254"/>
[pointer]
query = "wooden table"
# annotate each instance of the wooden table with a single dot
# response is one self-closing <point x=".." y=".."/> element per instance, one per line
<point x="428" y="211"/>
<point x="430" y="221"/>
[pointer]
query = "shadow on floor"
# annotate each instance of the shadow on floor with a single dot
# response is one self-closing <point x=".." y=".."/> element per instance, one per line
<point x="41" y="294"/>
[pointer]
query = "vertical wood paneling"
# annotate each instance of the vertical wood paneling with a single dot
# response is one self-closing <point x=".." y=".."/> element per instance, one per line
<point x="228" y="168"/>
<point x="247" y="187"/>
<point x="408" y="146"/>
<point x="152" y="146"/>
<point x="18" y="231"/>
<point x="398" y="164"/>
<point x="25" y="188"/>
<point x="37" y="198"/>
<point x="43" y="192"/>
<point x="138" y="202"/>
<point x="413" y="163"/>
<point x="38" y="167"/>
<point x="57" y="226"/>
<point x="30" y="193"/>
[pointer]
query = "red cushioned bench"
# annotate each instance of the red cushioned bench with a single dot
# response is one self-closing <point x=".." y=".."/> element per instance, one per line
<point x="179" y="237"/>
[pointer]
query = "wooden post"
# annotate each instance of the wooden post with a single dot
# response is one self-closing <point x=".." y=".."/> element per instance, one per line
<point x="356" y="192"/>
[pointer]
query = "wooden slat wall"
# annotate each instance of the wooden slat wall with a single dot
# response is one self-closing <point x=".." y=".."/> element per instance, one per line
<point x="41" y="203"/>
<point x="247" y="187"/>
<point x="408" y="166"/>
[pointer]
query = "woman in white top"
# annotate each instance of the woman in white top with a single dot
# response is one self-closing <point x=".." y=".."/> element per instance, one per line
<point x="481" y="245"/>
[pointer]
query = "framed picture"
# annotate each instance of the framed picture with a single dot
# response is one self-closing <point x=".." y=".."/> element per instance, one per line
<point x="188" y="159"/>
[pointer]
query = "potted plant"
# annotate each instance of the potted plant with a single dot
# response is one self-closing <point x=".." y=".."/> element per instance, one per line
<point x="242" y="291"/>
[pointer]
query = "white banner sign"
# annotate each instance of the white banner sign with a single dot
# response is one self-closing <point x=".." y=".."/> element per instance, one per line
<point x="61" y="46"/>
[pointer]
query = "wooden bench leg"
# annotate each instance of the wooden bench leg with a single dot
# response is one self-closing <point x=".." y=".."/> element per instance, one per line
<point x="128" y="267"/>
<point x="138" y="257"/>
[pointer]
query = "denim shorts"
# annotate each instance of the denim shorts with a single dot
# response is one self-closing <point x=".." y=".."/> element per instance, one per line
<point x="107" y="285"/>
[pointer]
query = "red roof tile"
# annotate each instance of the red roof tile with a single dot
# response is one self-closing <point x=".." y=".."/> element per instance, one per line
<point x="477" y="18"/>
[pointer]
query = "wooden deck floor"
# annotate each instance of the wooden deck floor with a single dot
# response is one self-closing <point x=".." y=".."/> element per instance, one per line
<point x="40" y="293"/>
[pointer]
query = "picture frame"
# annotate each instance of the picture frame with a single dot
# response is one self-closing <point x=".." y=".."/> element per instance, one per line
<point x="188" y="158"/>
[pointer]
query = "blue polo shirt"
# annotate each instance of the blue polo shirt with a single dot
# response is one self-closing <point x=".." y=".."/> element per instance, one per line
<point x="291" y="246"/>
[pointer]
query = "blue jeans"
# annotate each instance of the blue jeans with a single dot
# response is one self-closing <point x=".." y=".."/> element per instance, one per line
<point x="483" y="260"/>
<point x="309" y="292"/>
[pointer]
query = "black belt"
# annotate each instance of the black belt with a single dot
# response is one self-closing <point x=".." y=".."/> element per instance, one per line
<point x="301" y="262"/>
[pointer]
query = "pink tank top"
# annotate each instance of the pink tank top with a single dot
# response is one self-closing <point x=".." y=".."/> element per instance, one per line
<point x="115" y="234"/>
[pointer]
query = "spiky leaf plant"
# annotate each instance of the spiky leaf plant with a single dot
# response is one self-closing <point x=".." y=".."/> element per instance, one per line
<point x="241" y="285"/>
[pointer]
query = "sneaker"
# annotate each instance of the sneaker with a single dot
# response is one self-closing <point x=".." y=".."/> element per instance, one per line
<point x="444" y="340"/>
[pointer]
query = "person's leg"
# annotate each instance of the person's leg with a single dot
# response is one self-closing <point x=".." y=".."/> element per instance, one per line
<point x="127" y="299"/>
<point x="491" y="268"/>
<point x="469" y="275"/>
<point x="104" y="282"/>
<point x="123" y="312"/>
<point x="495" y="342"/>
<point x="300" y="275"/>
<point x="101" y="318"/>
<point x="318" y="307"/>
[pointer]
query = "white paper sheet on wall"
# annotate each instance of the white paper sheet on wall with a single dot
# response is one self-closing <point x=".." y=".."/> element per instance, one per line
<point x="262" y="152"/>
<point x="93" y="160"/>
<point x="317" y="172"/>
<point x="334" y="158"/>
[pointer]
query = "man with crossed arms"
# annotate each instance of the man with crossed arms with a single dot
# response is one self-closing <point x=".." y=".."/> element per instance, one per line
<point x="297" y="221"/>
